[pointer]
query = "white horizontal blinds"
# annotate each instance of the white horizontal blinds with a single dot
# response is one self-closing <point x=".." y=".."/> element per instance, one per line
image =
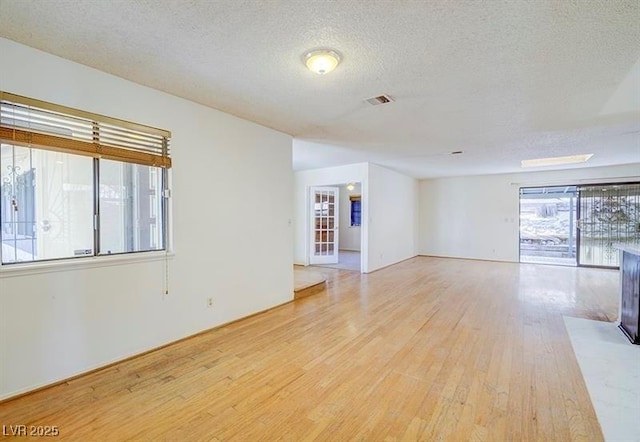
<point x="43" y="125"/>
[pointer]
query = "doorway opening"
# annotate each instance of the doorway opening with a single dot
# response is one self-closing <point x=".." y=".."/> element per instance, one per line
<point x="548" y="232"/>
<point x="336" y="226"/>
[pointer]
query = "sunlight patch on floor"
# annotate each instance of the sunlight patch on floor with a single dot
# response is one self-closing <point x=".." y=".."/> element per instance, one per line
<point x="610" y="365"/>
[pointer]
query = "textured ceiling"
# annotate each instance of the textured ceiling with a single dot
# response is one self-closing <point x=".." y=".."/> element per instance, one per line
<point x="500" y="80"/>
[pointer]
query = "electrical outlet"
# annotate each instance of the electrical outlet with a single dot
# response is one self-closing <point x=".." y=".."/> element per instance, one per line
<point x="209" y="302"/>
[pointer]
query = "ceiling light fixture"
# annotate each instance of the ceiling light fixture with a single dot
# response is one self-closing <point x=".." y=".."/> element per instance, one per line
<point x="322" y="61"/>
<point x="554" y="161"/>
<point x="350" y="187"/>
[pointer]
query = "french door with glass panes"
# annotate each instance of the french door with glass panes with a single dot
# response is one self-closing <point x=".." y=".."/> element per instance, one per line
<point x="324" y="225"/>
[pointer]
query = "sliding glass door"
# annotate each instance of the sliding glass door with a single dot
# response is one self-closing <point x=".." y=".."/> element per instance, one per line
<point x="608" y="215"/>
<point x="547" y="225"/>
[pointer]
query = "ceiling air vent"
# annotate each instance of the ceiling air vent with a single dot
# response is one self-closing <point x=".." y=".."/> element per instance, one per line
<point x="380" y="99"/>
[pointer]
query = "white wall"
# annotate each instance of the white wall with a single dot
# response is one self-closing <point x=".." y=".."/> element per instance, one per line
<point x="478" y="216"/>
<point x="349" y="235"/>
<point x="392" y="217"/>
<point x="232" y="205"/>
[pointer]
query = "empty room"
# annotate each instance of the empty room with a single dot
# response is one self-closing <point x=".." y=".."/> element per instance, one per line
<point x="311" y="220"/>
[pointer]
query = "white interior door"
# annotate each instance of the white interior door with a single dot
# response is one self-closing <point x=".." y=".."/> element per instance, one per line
<point x="325" y="203"/>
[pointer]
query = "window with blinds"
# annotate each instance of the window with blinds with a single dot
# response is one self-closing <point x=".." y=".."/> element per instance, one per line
<point x="74" y="184"/>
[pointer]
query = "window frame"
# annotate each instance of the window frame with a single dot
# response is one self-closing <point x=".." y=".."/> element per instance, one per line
<point x="128" y="145"/>
<point x="163" y="213"/>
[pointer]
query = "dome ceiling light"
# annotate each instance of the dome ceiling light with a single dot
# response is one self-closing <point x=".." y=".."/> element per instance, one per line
<point x="322" y="61"/>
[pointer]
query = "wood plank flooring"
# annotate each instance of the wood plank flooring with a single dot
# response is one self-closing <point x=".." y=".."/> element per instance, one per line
<point x="428" y="349"/>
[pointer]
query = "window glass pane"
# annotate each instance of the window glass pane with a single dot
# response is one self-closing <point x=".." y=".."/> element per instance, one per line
<point x="130" y="207"/>
<point x="46" y="204"/>
<point x="355" y="212"/>
<point x="609" y="217"/>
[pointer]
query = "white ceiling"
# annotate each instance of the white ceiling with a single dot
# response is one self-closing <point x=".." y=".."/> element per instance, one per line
<point x="500" y="80"/>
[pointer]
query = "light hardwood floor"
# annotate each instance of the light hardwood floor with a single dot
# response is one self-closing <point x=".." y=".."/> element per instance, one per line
<point x="428" y="349"/>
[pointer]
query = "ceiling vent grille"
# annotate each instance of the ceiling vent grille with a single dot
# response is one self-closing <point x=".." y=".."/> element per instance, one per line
<point x="380" y="99"/>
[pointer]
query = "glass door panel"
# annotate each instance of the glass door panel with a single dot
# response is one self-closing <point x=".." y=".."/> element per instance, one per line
<point x="324" y="224"/>
<point x="609" y="216"/>
<point x="547" y="225"/>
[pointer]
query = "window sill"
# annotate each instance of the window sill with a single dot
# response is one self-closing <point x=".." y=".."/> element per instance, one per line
<point x="72" y="264"/>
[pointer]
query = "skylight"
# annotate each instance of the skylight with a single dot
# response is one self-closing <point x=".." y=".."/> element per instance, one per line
<point x="554" y="161"/>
